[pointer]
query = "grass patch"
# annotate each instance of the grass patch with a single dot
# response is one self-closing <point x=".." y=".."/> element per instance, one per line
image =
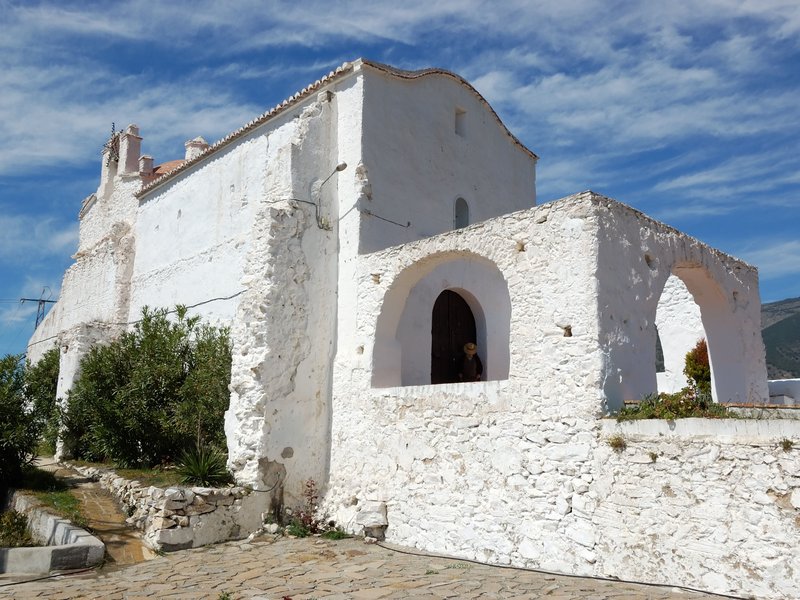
<point x="156" y="477"/>
<point x="617" y="443"/>
<point x="336" y="534"/>
<point x="54" y="494"/>
<point x="163" y="477"/>
<point x="64" y="504"/>
<point x="14" y="531"/>
<point x="297" y="529"/>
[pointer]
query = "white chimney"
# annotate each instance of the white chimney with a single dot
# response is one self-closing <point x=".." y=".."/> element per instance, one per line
<point x="145" y="165"/>
<point x="130" y="148"/>
<point x="195" y="147"/>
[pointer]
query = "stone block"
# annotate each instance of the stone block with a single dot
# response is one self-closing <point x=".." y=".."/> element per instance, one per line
<point x="372" y="514"/>
<point x="174" y="537"/>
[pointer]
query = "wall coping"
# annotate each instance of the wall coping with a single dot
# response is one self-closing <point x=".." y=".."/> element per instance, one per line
<point x="726" y="431"/>
<point x="70" y="547"/>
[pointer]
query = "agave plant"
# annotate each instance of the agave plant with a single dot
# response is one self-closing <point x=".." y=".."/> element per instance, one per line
<point x="204" y="465"/>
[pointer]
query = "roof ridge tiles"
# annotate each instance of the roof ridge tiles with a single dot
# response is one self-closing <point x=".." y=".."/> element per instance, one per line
<point x="305" y="92"/>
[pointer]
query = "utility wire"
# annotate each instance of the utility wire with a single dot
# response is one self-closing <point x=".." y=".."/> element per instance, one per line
<point x="170" y="311"/>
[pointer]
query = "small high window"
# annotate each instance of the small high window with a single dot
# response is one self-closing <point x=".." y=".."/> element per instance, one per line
<point x="460" y="121"/>
<point x="461" y="213"/>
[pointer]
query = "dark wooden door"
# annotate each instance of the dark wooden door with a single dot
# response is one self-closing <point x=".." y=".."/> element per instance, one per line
<point x="453" y="326"/>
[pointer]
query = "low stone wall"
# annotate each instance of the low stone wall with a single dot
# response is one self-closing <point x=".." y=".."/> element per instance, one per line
<point x="67" y="546"/>
<point x="177" y="518"/>
<point x="709" y="503"/>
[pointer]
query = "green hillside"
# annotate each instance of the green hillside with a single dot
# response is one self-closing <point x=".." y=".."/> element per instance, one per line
<point x="781" y="333"/>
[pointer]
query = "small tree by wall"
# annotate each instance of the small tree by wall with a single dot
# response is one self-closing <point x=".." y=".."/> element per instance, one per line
<point x="152" y="393"/>
<point x="698" y="368"/>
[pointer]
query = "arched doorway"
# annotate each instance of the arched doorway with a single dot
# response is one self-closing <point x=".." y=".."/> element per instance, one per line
<point x="452" y="326"/>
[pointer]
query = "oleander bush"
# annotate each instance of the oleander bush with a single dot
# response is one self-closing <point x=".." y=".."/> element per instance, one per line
<point x="156" y="390"/>
<point x="20" y="426"/>
<point x="41" y="380"/>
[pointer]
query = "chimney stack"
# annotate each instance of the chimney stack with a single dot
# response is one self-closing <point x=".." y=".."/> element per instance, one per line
<point x="130" y="148"/>
<point x="145" y="165"/>
<point x="195" y="147"/>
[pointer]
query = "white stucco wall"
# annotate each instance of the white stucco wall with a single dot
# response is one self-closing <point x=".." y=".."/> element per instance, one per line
<point x="680" y="327"/>
<point x="284" y="332"/>
<point x="457" y="464"/>
<point x="418" y="164"/>
<point x="192" y="234"/>
<point x="515" y="471"/>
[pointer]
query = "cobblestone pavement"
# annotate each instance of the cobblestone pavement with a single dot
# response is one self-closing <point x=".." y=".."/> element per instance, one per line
<point x="301" y="569"/>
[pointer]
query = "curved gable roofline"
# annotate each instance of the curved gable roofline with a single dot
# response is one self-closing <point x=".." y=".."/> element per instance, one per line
<point x="339" y="73"/>
<point x="403" y="74"/>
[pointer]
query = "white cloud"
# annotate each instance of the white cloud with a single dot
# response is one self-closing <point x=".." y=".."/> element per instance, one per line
<point x="25" y="236"/>
<point x="774" y="259"/>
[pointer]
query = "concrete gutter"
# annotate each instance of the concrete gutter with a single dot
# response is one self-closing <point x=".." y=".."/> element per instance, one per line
<point x="68" y="546"/>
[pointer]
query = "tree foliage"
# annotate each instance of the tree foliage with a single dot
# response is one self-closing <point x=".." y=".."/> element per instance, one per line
<point x="19" y="423"/>
<point x="154" y="391"/>
<point x="41" y="382"/>
<point x="697" y="368"/>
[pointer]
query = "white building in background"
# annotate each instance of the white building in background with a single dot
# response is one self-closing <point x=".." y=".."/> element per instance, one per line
<point x="355" y="237"/>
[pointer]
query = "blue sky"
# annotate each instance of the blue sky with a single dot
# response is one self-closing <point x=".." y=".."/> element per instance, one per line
<point x="688" y="111"/>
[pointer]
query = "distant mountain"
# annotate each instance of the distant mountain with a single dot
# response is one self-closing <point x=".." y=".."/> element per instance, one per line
<point x="780" y="322"/>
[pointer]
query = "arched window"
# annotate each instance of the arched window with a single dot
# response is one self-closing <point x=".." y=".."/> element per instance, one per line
<point x="461" y="213"/>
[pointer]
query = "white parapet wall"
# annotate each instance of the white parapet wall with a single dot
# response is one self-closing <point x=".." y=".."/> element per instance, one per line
<point x="65" y="546"/>
<point x="709" y="503"/>
<point x="784" y="391"/>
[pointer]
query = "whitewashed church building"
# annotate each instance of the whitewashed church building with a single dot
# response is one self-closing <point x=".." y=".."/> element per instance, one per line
<point x="355" y="237"/>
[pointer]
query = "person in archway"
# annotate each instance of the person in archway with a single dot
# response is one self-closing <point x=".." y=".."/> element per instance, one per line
<point x="471" y="368"/>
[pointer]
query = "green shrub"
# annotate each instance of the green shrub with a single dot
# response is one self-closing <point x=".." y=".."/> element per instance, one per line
<point x="14" y="530"/>
<point x="336" y="533"/>
<point x="41" y="381"/>
<point x="204" y="465"/>
<point x="19" y="425"/>
<point x="697" y="368"/>
<point x="688" y="402"/>
<point x="154" y="391"/>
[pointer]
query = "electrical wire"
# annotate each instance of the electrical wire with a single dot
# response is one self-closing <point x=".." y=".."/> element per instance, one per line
<point x="170" y="311"/>
<point x="543" y="572"/>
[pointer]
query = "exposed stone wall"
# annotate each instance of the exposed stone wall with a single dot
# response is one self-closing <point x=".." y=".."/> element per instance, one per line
<point x="283" y="334"/>
<point x="183" y="517"/>
<point x="713" y="504"/>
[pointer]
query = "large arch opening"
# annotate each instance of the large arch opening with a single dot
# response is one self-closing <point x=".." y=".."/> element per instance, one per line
<point x="693" y="306"/>
<point x="452" y="326"/>
<point x="679" y="326"/>
<point x="401" y="354"/>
